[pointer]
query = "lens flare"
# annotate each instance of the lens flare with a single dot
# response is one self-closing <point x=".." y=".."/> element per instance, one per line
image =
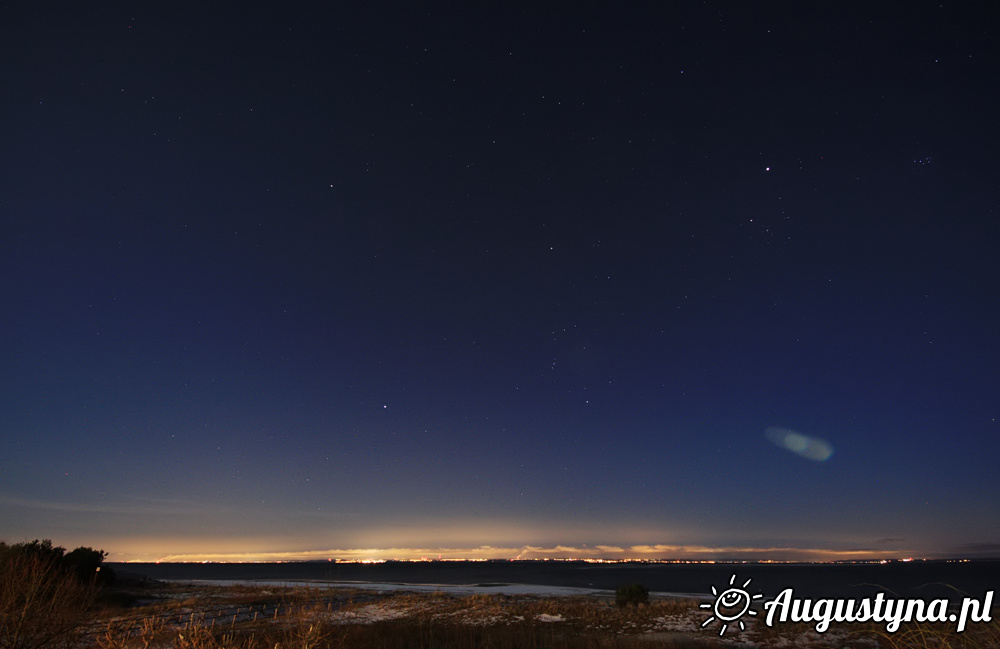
<point x="807" y="446"/>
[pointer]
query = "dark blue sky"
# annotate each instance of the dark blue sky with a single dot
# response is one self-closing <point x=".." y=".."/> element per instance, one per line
<point x="332" y="280"/>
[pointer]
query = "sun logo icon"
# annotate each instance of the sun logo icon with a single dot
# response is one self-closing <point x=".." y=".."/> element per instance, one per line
<point x="731" y="605"/>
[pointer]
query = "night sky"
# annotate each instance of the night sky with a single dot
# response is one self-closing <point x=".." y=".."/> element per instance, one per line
<point x="678" y="279"/>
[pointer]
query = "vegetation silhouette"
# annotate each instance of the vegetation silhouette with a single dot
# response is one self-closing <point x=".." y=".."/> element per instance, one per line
<point x="631" y="595"/>
<point x="46" y="594"/>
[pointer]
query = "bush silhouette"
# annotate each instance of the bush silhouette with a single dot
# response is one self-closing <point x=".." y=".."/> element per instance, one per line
<point x="631" y="595"/>
<point x="45" y="594"/>
<point x="86" y="565"/>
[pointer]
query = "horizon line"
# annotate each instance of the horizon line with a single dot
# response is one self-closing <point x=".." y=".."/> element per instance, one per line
<point x="733" y="560"/>
<point x="597" y="554"/>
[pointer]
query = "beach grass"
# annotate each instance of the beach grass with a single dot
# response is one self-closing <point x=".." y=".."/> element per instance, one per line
<point x="257" y="617"/>
<point x="210" y="618"/>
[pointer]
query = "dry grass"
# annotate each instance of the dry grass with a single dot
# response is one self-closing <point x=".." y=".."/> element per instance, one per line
<point x="940" y="636"/>
<point x="308" y="618"/>
<point x="327" y="619"/>
<point x="41" y="604"/>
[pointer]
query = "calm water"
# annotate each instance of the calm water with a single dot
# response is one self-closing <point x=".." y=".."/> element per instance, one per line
<point x="915" y="579"/>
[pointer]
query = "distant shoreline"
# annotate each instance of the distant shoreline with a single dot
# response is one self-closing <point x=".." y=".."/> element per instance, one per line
<point x="910" y="579"/>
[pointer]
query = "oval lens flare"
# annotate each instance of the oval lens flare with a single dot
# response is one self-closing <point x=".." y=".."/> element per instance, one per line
<point x="807" y="446"/>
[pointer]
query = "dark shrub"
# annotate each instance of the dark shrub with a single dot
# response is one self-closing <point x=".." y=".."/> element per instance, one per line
<point x="42" y="603"/>
<point x="631" y="595"/>
<point x="86" y="565"/>
<point x="45" y="594"/>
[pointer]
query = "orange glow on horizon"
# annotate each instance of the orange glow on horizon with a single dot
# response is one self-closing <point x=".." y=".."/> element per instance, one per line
<point x="597" y="553"/>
